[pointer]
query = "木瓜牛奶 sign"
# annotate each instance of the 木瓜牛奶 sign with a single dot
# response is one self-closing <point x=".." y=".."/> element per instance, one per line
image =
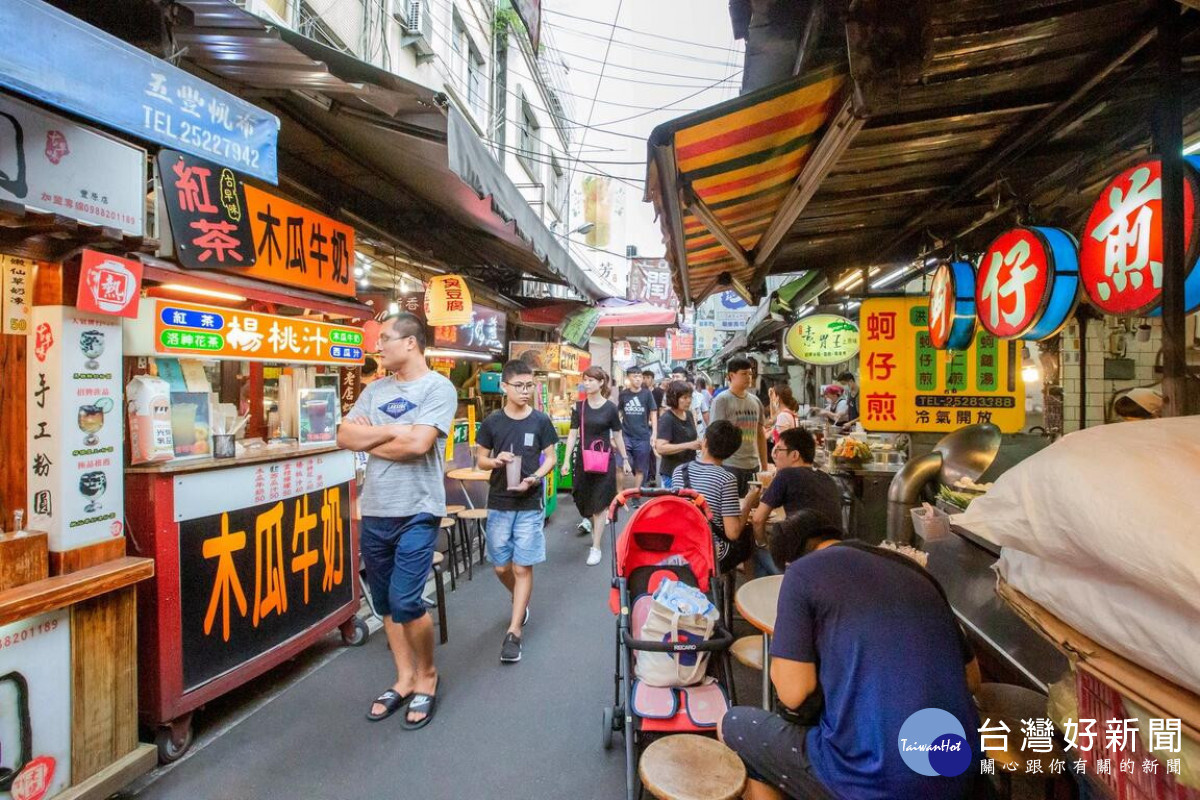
<point x="909" y="385"/>
<point x="267" y="552"/>
<point x="199" y="331"/>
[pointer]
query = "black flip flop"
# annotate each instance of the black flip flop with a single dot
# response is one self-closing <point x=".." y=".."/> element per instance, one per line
<point x="392" y="701"/>
<point x="421" y="703"/>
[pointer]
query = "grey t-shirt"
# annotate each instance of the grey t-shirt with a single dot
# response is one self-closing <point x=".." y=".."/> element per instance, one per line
<point x="747" y="414"/>
<point x="405" y="488"/>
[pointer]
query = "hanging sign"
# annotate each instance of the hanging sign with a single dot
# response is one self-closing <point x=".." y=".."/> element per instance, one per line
<point x="1121" y="250"/>
<point x="296" y="246"/>
<point x="447" y="301"/>
<point x="572" y="359"/>
<point x="909" y="385"/>
<point x="191" y="329"/>
<point x="109" y="285"/>
<point x="267" y="552"/>
<point x="75" y="435"/>
<point x="952" y="306"/>
<point x="16" y="283"/>
<point x="206" y="207"/>
<point x="622" y="352"/>
<point x="62" y="61"/>
<point x="51" y="164"/>
<point x="683" y="345"/>
<point x="35" y="706"/>
<point x="483" y="334"/>
<point x="578" y="328"/>
<point x="1028" y="283"/>
<point x="822" y="340"/>
<point x="540" y="356"/>
<point x="650" y="282"/>
<point x="731" y="312"/>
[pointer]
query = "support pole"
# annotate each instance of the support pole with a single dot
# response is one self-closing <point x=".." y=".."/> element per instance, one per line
<point x="1168" y="141"/>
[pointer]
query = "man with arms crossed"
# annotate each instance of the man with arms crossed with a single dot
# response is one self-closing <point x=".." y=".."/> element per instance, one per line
<point x="516" y="516"/>
<point x="402" y="421"/>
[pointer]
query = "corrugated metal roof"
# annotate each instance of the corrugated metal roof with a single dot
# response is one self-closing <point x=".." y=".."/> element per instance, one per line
<point x="935" y="163"/>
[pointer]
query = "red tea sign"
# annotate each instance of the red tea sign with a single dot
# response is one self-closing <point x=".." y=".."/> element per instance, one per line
<point x="1121" y="251"/>
<point x="109" y="285"/>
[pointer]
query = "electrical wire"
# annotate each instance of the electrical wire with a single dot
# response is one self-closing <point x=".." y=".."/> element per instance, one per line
<point x="599" y="81"/>
<point x="691" y="59"/>
<point x="556" y="13"/>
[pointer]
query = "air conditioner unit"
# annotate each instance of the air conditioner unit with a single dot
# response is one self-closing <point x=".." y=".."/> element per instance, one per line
<point x="416" y="19"/>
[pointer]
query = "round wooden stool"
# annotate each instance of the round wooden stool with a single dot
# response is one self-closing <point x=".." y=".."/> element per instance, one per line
<point x="478" y="516"/>
<point x="748" y="650"/>
<point x="450" y="526"/>
<point x="452" y="510"/>
<point x="690" y="767"/>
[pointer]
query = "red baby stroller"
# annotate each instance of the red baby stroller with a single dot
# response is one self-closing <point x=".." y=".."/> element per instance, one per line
<point x="668" y="537"/>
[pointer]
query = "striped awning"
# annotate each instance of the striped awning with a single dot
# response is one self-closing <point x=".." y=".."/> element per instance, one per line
<point x="731" y="167"/>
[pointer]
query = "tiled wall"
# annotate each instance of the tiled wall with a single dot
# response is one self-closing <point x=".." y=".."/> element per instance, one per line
<point x="1099" y="392"/>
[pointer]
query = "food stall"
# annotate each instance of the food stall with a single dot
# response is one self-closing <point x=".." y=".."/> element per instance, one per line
<point x="235" y="486"/>
<point x="74" y="192"/>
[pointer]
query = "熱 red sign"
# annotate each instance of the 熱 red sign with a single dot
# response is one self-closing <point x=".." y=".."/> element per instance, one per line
<point x="1121" y="251"/>
<point x="1013" y="282"/>
<point x="109" y="284"/>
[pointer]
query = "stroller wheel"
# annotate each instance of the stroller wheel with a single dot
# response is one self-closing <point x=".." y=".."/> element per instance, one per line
<point x="608" y="728"/>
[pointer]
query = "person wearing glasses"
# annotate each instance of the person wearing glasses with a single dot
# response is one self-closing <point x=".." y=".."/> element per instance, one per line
<point x="402" y="422"/>
<point x="516" y="519"/>
<point x="795" y="487"/>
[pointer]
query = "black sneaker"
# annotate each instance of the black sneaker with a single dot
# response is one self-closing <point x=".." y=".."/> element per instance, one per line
<point x="525" y="621"/>
<point x="510" y="651"/>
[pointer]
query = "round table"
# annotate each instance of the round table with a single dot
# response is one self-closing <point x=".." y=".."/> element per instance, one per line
<point x="757" y="601"/>
<point x="464" y="474"/>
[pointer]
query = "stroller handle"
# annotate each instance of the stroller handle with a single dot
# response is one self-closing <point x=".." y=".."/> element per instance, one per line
<point x="690" y="495"/>
<point x="721" y="641"/>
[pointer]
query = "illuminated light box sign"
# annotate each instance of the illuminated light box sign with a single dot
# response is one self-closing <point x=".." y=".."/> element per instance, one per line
<point x="1028" y="283"/>
<point x="1121" y="250"/>
<point x="822" y="340"/>
<point x="267" y="551"/>
<point x="199" y="331"/>
<point x="909" y="385"/>
<point x="952" y="306"/>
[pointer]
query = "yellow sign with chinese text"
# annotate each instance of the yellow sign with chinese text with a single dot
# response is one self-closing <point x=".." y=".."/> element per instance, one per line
<point x="199" y="331"/>
<point x="822" y="340"/>
<point x="908" y="385"/>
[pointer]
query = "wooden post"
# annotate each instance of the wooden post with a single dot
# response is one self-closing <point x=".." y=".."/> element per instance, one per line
<point x="1168" y="140"/>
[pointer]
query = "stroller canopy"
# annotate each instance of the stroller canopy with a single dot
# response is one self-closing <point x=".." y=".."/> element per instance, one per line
<point x="666" y="527"/>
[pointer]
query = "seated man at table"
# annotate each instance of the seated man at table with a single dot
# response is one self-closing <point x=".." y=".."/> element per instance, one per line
<point x="864" y="640"/>
<point x="796" y="485"/>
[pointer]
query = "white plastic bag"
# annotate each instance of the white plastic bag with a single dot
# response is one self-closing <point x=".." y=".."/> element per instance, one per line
<point x="678" y="613"/>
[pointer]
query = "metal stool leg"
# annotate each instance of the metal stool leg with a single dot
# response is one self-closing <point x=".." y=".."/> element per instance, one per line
<point x="440" y="593"/>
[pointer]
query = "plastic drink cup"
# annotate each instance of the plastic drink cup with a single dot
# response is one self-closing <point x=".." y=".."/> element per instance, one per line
<point x="513" y="469"/>
<point x="183" y="424"/>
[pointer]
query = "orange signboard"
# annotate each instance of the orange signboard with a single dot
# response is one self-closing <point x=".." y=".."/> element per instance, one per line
<point x="296" y="246"/>
<point x="190" y="329"/>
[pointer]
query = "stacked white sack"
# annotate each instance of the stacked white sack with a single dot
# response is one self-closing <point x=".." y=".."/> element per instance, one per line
<point x="1113" y="516"/>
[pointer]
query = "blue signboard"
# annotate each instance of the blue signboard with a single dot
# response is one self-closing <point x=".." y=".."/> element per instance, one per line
<point x="187" y="318"/>
<point x="66" y="63"/>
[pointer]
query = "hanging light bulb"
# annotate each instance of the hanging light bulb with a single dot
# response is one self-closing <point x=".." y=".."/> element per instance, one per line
<point x="1030" y="373"/>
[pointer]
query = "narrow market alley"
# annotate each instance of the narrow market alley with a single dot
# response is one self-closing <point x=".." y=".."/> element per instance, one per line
<point x="527" y="730"/>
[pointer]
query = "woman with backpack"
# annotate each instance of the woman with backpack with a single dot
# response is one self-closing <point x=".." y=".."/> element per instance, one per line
<point x="596" y="426"/>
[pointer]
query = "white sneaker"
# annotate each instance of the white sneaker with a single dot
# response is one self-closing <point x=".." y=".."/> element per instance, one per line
<point x="593" y="556"/>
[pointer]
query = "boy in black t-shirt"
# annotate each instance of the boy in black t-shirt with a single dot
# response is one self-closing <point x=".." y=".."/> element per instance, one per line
<point x="639" y="417"/>
<point x="516" y="517"/>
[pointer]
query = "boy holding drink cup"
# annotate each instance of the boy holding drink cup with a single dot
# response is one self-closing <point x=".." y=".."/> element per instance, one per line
<point x="517" y="444"/>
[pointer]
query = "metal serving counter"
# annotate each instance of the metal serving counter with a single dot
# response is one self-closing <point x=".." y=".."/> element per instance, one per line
<point x="962" y="563"/>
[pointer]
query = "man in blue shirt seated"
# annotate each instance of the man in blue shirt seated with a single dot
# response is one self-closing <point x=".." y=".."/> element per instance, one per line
<point x="864" y="640"/>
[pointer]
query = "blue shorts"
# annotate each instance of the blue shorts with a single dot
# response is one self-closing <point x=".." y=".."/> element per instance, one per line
<point x="516" y="537"/>
<point x="398" y="554"/>
<point x="639" y="454"/>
